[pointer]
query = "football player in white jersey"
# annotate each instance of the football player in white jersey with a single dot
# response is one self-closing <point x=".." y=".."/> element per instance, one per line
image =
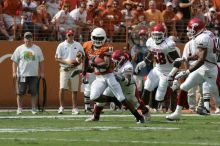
<point x="204" y="70"/>
<point x="163" y="51"/>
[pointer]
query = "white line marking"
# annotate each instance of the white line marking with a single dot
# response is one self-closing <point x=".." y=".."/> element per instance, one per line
<point x="102" y="128"/>
<point x="85" y="116"/>
<point x="109" y="141"/>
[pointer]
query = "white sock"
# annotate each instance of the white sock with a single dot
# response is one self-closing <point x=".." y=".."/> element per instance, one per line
<point x="178" y="109"/>
<point x="206" y="105"/>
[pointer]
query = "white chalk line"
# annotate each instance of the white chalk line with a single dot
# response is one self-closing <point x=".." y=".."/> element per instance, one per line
<point x="101" y="128"/>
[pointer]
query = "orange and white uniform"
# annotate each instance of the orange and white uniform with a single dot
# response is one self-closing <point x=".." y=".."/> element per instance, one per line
<point x="103" y="77"/>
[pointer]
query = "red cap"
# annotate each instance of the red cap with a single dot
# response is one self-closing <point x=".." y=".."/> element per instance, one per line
<point x="69" y="32"/>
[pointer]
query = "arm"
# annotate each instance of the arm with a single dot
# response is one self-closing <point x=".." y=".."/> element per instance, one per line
<point x="185" y="5"/>
<point x="201" y="59"/>
<point x="14" y="69"/>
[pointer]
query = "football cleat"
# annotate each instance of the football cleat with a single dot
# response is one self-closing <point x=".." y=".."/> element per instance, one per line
<point x="173" y="117"/>
<point x="92" y="119"/>
<point x="217" y="111"/>
<point x="202" y="111"/>
<point x="141" y="120"/>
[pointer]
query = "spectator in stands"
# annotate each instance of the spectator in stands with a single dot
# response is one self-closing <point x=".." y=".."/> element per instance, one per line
<point x="154" y="15"/>
<point x="66" y="55"/>
<point x="108" y="18"/>
<point x="170" y="19"/>
<point x="42" y="21"/>
<point x="52" y="7"/>
<point x="29" y="7"/>
<point x="27" y="66"/>
<point x="119" y="30"/>
<point x="72" y="4"/>
<point x="11" y="10"/>
<point x="2" y="26"/>
<point x="127" y="12"/>
<point x="79" y="16"/>
<point x="139" y="16"/>
<point x="185" y="6"/>
<point x="212" y="22"/>
<point x="216" y="4"/>
<point x="63" y="21"/>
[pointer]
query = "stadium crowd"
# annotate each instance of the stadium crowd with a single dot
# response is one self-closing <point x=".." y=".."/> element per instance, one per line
<point x="48" y="19"/>
<point x="150" y="27"/>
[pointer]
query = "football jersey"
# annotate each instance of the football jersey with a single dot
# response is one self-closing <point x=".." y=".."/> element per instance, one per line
<point x="91" y="52"/>
<point x="209" y="39"/>
<point x="190" y="50"/>
<point x="160" y="52"/>
<point x="126" y="68"/>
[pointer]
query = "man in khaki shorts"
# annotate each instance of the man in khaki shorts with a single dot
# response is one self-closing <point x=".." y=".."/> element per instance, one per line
<point x="68" y="54"/>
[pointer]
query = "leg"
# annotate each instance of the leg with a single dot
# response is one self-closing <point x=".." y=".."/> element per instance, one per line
<point x="74" y="102"/>
<point x="194" y="79"/>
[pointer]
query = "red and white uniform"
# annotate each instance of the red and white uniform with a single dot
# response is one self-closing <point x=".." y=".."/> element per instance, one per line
<point x="208" y="71"/>
<point x="158" y="75"/>
<point x="129" y="91"/>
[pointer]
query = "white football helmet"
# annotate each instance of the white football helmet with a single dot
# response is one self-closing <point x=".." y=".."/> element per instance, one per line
<point x="98" y="37"/>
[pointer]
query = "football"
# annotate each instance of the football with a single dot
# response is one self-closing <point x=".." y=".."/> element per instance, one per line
<point x="98" y="60"/>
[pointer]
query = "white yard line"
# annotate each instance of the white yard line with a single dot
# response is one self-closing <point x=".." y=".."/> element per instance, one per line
<point x="110" y="141"/>
<point x="85" y="116"/>
<point x="102" y="128"/>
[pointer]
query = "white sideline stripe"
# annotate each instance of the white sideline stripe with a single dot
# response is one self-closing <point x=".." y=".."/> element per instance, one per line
<point x="102" y="128"/>
<point x="86" y="116"/>
<point x="109" y="141"/>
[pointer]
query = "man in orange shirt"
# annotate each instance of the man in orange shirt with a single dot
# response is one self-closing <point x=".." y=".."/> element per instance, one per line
<point x="10" y="10"/>
<point x="154" y="15"/>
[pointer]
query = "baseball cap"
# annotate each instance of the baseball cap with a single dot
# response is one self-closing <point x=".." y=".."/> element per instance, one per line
<point x="27" y="35"/>
<point x="169" y="4"/>
<point x="69" y="32"/>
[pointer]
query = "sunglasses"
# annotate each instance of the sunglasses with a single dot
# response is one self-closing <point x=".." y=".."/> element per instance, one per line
<point x="28" y="36"/>
<point x="69" y="35"/>
<point x="141" y="6"/>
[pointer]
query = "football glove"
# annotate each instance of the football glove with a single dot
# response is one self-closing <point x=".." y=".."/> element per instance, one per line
<point x="175" y="85"/>
<point x="139" y="66"/>
<point x="182" y="74"/>
<point x="84" y="80"/>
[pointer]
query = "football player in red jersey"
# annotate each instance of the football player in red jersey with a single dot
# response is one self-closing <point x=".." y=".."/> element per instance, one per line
<point x="98" y="57"/>
<point x="204" y="70"/>
<point x="163" y="51"/>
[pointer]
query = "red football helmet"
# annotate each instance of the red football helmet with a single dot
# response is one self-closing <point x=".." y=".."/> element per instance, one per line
<point x="158" y="33"/>
<point x="195" y="26"/>
<point x="119" y="57"/>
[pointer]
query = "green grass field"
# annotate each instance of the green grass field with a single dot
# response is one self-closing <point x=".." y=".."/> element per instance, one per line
<point x="114" y="128"/>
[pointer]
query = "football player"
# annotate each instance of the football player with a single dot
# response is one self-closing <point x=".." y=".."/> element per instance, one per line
<point x="124" y="75"/>
<point x="204" y="70"/>
<point x="163" y="51"/>
<point x="98" y="57"/>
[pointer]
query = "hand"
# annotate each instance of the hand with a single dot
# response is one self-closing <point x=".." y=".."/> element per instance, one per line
<point x="182" y="74"/>
<point x="175" y="85"/>
<point x="139" y="66"/>
<point x="84" y="80"/>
